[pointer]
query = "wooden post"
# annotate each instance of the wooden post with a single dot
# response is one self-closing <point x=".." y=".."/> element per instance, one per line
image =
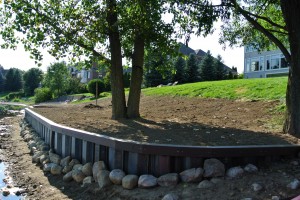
<point x="96" y="93"/>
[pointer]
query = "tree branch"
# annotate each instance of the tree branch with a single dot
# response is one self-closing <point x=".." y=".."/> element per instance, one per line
<point x="68" y="35"/>
<point x="260" y="28"/>
<point x="266" y="19"/>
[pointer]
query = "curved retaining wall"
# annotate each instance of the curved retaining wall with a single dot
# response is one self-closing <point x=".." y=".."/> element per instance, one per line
<point x="145" y="158"/>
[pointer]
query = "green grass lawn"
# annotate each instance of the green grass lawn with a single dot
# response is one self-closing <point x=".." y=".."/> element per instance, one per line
<point x="247" y="89"/>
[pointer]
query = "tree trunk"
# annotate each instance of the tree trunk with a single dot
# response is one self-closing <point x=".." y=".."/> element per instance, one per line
<point x="136" y="78"/>
<point x="117" y="85"/>
<point x="290" y="9"/>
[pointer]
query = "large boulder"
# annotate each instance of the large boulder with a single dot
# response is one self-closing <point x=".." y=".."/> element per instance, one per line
<point x="234" y="172"/>
<point x="130" y="181"/>
<point x="65" y="161"/>
<point x="103" y="178"/>
<point x="87" y="180"/>
<point x="47" y="167"/>
<point x="74" y="162"/>
<point x="213" y="168"/>
<point x="99" y="165"/>
<point x="116" y="176"/>
<point x="68" y="177"/>
<point x="37" y="155"/>
<point x="77" y="166"/>
<point x="56" y="169"/>
<point x="78" y="175"/>
<point x="167" y="180"/>
<point x="54" y="158"/>
<point x="192" y="175"/>
<point x="170" y="197"/>
<point x="87" y="169"/>
<point x="147" y="181"/>
<point x="205" y="184"/>
<point x="67" y="169"/>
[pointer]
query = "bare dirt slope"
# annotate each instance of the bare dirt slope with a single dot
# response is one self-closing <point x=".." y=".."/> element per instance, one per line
<point x="180" y="120"/>
<point x="273" y="177"/>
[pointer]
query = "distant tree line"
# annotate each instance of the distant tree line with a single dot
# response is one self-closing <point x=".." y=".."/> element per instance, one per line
<point x="159" y="70"/>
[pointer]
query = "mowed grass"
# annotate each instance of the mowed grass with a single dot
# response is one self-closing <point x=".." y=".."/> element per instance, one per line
<point x="246" y="89"/>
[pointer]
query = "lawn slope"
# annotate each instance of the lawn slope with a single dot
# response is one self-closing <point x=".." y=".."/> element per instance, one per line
<point x="246" y="89"/>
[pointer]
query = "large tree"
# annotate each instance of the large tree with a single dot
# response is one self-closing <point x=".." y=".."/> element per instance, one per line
<point x="91" y="27"/>
<point x="32" y="79"/>
<point x="264" y="24"/>
<point x="192" y="69"/>
<point x="207" y="69"/>
<point x="57" y="78"/>
<point x="180" y="70"/>
<point x="13" y="80"/>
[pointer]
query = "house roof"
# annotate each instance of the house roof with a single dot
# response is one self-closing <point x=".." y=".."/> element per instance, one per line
<point x="185" y="50"/>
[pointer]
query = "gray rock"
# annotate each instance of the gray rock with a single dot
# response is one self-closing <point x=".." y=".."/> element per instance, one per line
<point x="43" y="158"/>
<point x="103" y="178"/>
<point x="77" y="166"/>
<point x="65" y="161"/>
<point x="33" y="150"/>
<point x="87" y="180"/>
<point x="256" y="187"/>
<point x="167" y="180"/>
<point x="46" y="161"/>
<point x="294" y="184"/>
<point x="147" y="181"/>
<point x="36" y="156"/>
<point x="56" y="169"/>
<point x="27" y="137"/>
<point x="192" y="175"/>
<point x="47" y="167"/>
<point x="68" y="177"/>
<point x="234" y="172"/>
<point x="45" y="147"/>
<point x="170" y="197"/>
<point x="67" y="169"/>
<point x="275" y="198"/>
<point x="116" y="176"/>
<point x="5" y="192"/>
<point x="74" y="162"/>
<point x="217" y="180"/>
<point x="54" y="158"/>
<point x="87" y="169"/>
<point x="130" y="181"/>
<point x="250" y="168"/>
<point x="31" y="144"/>
<point x="205" y="184"/>
<point x="213" y="168"/>
<point x="78" y="175"/>
<point x="99" y="165"/>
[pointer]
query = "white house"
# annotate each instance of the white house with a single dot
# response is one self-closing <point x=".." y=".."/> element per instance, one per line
<point x="264" y="64"/>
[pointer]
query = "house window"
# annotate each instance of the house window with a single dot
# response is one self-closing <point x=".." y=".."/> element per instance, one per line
<point x="275" y="61"/>
<point x="283" y="62"/>
<point x="261" y="64"/>
<point x="268" y="62"/>
<point x="248" y="65"/>
<point x="88" y="74"/>
<point x="254" y="65"/>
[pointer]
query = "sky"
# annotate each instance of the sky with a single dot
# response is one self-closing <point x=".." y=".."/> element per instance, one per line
<point x="231" y="56"/>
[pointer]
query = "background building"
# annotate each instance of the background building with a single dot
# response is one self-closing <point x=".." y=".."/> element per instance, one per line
<point x="264" y="64"/>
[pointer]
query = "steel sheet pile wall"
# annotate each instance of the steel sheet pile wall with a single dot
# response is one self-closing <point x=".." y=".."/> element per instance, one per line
<point x="141" y="158"/>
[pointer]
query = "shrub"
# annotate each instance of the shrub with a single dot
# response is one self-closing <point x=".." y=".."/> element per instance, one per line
<point x="92" y="86"/>
<point x="15" y="95"/>
<point x="42" y="95"/>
